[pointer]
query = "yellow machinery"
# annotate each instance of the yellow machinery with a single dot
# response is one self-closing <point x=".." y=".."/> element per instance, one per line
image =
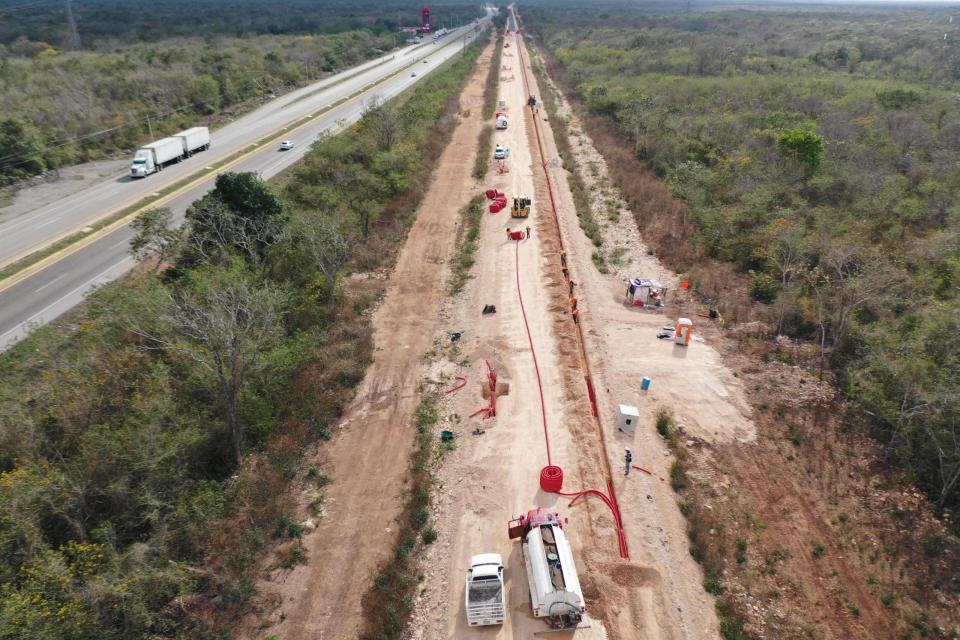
<point x="521" y="208"/>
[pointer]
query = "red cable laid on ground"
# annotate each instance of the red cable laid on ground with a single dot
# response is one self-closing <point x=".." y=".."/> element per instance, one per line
<point x="460" y="385"/>
<point x="611" y="500"/>
<point x="593" y="396"/>
<point x="533" y="352"/>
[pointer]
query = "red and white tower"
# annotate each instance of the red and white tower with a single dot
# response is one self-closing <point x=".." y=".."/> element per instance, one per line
<point x="425" y="26"/>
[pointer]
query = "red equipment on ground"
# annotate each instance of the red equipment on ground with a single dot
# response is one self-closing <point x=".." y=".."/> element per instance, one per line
<point x="490" y="410"/>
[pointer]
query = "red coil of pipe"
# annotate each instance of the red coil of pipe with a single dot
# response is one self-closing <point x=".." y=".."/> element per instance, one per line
<point x="551" y="478"/>
<point x="491" y="194"/>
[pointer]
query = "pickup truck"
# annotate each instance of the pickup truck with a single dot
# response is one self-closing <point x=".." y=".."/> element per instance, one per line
<point x="500" y="153"/>
<point x="484" y="590"/>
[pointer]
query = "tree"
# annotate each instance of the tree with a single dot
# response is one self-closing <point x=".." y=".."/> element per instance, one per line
<point x="326" y="246"/>
<point x="21" y="148"/>
<point x="154" y="236"/>
<point x="786" y="248"/>
<point x="384" y="121"/>
<point x="225" y="323"/>
<point x="241" y="213"/>
<point x="858" y="280"/>
<point x="805" y="146"/>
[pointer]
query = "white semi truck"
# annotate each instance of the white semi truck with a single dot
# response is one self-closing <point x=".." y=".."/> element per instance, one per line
<point x="152" y="157"/>
<point x="555" y="592"/>
<point x="483" y="593"/>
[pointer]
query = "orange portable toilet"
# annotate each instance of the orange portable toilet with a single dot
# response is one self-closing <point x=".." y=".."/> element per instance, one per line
<point x="683" y="332"/>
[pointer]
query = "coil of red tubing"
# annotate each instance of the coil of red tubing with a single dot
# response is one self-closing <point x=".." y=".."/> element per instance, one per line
<point x="551" y="478"/>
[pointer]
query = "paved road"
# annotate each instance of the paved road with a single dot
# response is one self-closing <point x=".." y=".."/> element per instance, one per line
<point x="44" y="295"/>
<point x="34" y="230"/>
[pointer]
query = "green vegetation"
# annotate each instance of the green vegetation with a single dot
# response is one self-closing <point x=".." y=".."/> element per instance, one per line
<point x="147" y="444"/>
<point x="581" y="196"/>
<point x="104" y="23"/>
<point x="481" y="164"/>
<point x="121" y="441"/>
<point x="65" y="106"/>
<point x="390" y="602"/>
<point x="468" y="237"/>
<point x="492" y="83"/>
<point x="664" y="422"/>
<point x="816" y="149"/>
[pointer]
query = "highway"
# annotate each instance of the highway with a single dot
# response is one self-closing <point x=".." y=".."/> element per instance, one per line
<point x="41" y="293"/>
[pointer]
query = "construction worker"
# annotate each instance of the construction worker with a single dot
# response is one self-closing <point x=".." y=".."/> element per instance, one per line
<point x="563" y="258"/>
<point x="572" y="285"/>
<point x="528" y="232"/>
<point x="509" y="237"/>
<point x="573" y="302"/>
<point x="628" y="458"/>
<point x="576" y="316"/>
<point x="566" y="273"/>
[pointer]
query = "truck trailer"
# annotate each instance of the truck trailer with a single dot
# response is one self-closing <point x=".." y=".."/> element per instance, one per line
<point x="483" y="593"/>
<point x="194" y="139"/>
<point x="150" y="158"/>
<point x="501" y="120"/>
<point x="555" y="592"/>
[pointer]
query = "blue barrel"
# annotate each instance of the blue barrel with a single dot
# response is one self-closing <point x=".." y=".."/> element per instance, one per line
<point x="645" y="383"/>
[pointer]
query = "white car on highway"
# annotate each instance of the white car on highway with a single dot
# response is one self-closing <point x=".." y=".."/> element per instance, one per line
<point x="286" y="145"/>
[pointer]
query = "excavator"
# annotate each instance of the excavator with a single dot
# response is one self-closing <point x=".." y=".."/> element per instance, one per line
<point x="521" y="208"/>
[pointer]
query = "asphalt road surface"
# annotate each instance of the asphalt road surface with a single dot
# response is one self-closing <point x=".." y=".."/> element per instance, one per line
<point x="39" y="296"/>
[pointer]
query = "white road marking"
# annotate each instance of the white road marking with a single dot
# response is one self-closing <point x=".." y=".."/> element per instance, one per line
<point x="62" y="275"/>
<point x="48" y="222"/>
<point x="6" y="338"/>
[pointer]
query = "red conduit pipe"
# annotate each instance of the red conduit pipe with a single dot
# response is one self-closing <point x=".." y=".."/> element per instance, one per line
<point x="611" y="501"/>
<point x="593" y="396"/>
<point x="533" y="352"/>
<point x="460" y="385"/>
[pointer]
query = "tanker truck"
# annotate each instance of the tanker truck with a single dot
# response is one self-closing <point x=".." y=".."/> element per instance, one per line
<point x="555" y="592"/>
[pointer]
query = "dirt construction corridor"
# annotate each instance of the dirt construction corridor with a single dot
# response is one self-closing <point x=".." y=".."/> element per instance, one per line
<point x="490" y="478"/>
<point x="651" y="588"/>
<point x="368" y="460"/>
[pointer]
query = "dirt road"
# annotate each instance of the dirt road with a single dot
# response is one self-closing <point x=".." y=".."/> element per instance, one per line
<point x="494" y="476"/>
<point x="368" y="459"/>
<point x="489" y="478"/>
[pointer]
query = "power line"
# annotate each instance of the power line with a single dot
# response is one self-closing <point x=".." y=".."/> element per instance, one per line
<point x="73" y="34"/>
<point x="56" y="144"/>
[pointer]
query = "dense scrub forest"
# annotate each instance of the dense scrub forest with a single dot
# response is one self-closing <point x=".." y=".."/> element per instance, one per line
<point x="148" y="442"/>
<point x="817" y="150"/>
<point x="168" y="68"/>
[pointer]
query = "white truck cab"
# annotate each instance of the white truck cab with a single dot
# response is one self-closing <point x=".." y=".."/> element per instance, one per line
<point x="484" y="590"/>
